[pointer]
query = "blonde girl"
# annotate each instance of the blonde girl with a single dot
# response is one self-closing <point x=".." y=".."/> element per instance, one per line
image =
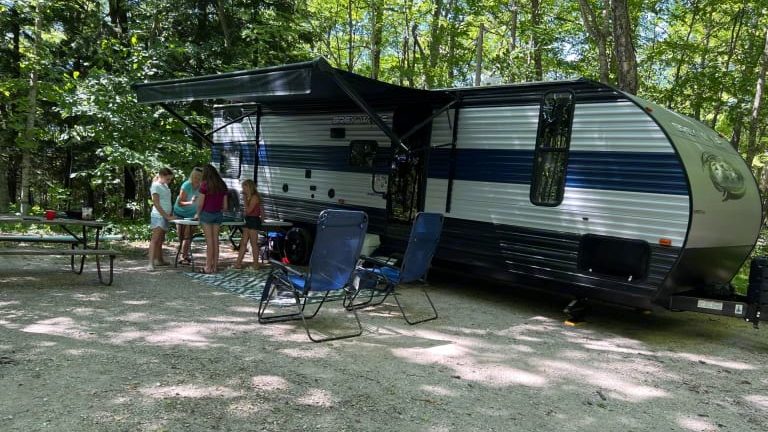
<point x="253" y="214"/>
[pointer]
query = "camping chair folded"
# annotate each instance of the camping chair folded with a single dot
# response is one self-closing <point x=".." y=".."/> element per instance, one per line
<point x="376" y="279"/>
<point x="338" y="242"/>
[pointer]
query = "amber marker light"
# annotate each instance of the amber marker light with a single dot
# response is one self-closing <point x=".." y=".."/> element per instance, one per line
<point x="665" y="242"/>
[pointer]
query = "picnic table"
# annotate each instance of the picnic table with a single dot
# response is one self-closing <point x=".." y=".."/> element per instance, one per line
<point x="75" y="234"/>
<point x="234" y="225"/>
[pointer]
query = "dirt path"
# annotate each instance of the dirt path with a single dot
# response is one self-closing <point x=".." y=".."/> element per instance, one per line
<point x="160" y="352"/>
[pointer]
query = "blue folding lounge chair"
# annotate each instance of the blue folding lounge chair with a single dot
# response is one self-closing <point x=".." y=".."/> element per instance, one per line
<point x="338" y="241"/>
<point x="379" y="281"/>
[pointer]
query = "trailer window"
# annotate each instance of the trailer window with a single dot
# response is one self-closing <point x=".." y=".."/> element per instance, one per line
<point x="553" y="139"/>
<point x="231" y="159"/>
<point x="362" y="153"/>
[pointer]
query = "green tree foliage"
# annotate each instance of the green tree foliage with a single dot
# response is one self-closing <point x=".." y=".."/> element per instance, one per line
<point x="92" y="142"/>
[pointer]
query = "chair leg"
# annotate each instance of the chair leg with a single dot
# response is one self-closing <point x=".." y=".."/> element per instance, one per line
<point x="350" y="304"/>
<point x="358" y="332"/>
<point x="264" y="305"/>
<point x="305" y="319"/>
<point x="405" y="316"/>
<point x="301" y="313"/>
<point x="111" y="271"/>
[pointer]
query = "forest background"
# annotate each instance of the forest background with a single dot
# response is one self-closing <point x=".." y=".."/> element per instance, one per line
<point x="71" y="131"/>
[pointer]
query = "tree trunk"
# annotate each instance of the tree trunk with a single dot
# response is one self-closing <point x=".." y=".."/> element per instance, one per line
<point x="452" y="30"/>
<point x="736" y="135"/>
<point x="377" y="30"/>
<point x="422" y="55"/>
<point x="435" y="41"/>
<point x="8" y="135"/>
<point x="201" y="32"/>
<point x="697" y="97"/>
<point x="513" y="11"/>
<point x="681" y="59"/>
<point x="129" y="191"/>
<point x="29" y="132"/>
<point x="624" y="47"/>
<point x="479" y="55"/>
<point x="5" y="146"/>
<point x="512" y="26"/>
<point x="538" y="69"/>
<point x="754" y="118"/>
<point x="738" y="22"/>
<point x="118" y="16"/>
<point x="4" y="196"/>
<point x="597" y="32"/>
<point x="221" y="12"/>
<point x="350" y="37"/>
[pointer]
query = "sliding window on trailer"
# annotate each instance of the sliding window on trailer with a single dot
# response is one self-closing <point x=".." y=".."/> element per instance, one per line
<point x="553" y="140"/>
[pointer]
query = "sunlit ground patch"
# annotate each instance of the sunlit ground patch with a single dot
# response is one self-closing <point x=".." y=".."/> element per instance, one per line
<point x="728" y="364"/>
<point x="619" y="385"/>
<point x="269" y="382"/>
<point x="437" y="390"/>
<point x="190" y="391"/>
<point x="760" y="401"/>
<point x="307" y="352"/>
<point x="61" y="326"/>
<point x="696" y="424"/>
<point x="317" y="398"/>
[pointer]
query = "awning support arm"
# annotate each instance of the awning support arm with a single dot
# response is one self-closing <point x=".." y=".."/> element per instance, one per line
<point x="365" y="107"/>
<point x="428" y="119"/>
<point x="191" y="127"/>
<point x="248" y="114"/>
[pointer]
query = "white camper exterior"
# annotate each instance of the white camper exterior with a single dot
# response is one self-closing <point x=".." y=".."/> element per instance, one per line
<point x="569" y="186"/>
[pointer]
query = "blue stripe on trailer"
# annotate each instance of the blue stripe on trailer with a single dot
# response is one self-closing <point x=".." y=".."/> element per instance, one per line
<point x="621" y="171"/>
<point x="659" y="173"/>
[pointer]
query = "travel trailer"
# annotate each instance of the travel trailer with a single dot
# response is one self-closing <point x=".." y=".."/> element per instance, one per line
<point x="569" y="186"/>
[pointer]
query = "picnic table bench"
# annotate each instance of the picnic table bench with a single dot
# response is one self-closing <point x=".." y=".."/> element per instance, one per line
<point x="37" y="238"/>
<point x="71" y="252"/>
<point x="80" y="246"/>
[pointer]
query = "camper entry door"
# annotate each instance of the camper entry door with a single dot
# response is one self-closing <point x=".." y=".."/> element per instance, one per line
<point x="407" y="178"/>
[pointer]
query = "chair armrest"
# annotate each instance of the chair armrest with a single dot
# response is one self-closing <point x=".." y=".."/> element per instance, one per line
<point x="285" y="268"/>
<point x="377" y="262"/>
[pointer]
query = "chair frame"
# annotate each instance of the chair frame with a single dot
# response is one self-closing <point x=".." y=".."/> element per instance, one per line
<point x="301" y="298"/>
<point x="389" y="285"/>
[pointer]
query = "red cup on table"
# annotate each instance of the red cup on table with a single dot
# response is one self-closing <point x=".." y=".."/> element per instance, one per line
<point x="50" y="214"/>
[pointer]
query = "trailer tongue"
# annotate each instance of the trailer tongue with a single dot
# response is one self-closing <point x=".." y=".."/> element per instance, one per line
<point x="751" y="307"/>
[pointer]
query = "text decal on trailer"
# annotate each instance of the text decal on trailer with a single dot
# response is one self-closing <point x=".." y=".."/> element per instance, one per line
<point x="355" y="119"/>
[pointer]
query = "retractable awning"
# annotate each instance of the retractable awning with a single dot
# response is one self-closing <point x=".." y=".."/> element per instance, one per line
<point x="311" y="81"/>
<point x="314" y="81"/>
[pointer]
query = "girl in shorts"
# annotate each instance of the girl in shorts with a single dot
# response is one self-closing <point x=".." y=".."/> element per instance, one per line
<point x="162" y="208"/>
<point x="253" y="213"/>
<point x="212" y="200"/>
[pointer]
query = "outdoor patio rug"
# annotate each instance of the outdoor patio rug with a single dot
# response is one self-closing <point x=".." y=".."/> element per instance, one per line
<point x="246" y="283"/>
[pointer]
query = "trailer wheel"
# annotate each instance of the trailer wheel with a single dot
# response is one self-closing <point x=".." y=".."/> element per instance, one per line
<point x="298" y="246"/>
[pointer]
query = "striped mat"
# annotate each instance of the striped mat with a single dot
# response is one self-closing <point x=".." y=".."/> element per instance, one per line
<point x="247" y="283"/>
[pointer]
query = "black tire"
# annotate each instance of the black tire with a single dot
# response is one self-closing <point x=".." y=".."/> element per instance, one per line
<point x="298" y="246"/>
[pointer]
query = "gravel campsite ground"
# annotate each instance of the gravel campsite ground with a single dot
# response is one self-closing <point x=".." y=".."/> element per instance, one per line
<point x="163" y="352"/>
